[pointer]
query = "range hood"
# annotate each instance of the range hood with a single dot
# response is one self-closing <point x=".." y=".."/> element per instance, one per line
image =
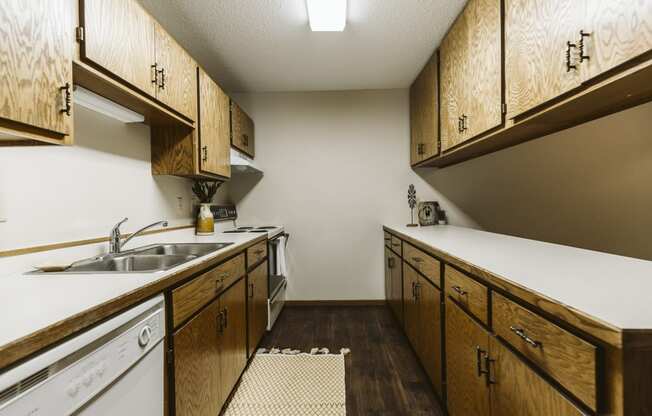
<point x="241" y="163"/>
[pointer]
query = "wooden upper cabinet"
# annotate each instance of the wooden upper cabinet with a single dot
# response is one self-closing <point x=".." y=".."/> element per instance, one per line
<point x="197" y="375"/>
<point x="453" y="62"/>
<point x="537" y="65"/>
<point x="176" y="75"/>
<point x="257" y="305"/>
<point x="36" y="54"/>
<point x="483" y="81"/>
<point x="619" y="30"/>
<point x="429" y="350"/>
<point x="214" y="127"/>
<point x="424" y="113"/>
<point x="119" y="36"/>
<point x="467" y="352"/>
<point x="242" y="130"/>
<point x="518" y="390"/>
<point x="233" y="338"/>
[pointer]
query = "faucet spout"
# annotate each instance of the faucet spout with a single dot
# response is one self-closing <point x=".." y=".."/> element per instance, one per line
<point x="115" y="241"/>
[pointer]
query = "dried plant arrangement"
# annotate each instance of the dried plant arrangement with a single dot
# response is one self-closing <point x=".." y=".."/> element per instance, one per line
<point x="205" y="190"/>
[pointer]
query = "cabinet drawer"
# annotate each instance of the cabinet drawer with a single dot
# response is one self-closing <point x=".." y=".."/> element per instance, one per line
<point x="395" y="245"/>
<point x="190" y="297"/>
<point x="469" y="293"/>
<point x="423" y="263"/>
<point x="256" y="253"/>
<point x="566" y="357"/>
<point x="387" y="237"/>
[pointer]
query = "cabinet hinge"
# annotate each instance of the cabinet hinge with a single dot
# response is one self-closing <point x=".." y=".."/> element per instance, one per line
<point x="79" y="33"/>
<point x="170" y="356"/>
<point x="504" y="108"/>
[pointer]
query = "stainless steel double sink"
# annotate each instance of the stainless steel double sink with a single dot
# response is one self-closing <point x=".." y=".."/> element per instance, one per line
<point x="147" y="259"/>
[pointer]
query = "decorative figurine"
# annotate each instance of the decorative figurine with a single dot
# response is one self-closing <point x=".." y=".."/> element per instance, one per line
<point x="205" y="191"/>
<point x="412" y="202"/>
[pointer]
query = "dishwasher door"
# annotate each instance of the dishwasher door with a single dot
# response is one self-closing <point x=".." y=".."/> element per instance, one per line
<point x="114" y="368"/>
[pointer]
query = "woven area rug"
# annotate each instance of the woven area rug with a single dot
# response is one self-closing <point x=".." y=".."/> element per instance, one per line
<point x="288" y="382"/>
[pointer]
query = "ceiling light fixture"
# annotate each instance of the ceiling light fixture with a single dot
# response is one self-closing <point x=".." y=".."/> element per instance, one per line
<point x="326" y="15"/>
<point x="102" y="105"/>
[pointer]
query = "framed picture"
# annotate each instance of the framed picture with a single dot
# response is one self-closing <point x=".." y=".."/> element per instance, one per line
<point x="427" y="213"/>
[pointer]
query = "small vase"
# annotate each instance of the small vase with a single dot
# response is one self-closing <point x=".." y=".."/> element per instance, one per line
<point x="205" y="221"/>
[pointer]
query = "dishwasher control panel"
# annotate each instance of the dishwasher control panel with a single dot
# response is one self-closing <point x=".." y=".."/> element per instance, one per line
<point x="76" y="379"/>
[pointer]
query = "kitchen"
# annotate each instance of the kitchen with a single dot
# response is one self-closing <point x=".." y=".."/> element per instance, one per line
<point x="273" y="145"/>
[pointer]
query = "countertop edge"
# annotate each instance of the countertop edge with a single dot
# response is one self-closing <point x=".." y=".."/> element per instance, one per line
<point x="17" y="351"/>
<point x="595" y="327"/>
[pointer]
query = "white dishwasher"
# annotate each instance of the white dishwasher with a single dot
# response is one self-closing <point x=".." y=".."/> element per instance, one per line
<point x="114" y="368"/>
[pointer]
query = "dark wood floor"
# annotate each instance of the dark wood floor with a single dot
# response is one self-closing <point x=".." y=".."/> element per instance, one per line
<point x="383" y="376"/>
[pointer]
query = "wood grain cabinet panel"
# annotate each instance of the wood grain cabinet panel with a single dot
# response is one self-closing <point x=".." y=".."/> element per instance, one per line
<point x="242" y="130"/>
<point x="197" y="374"/>
<point x="397" y="245"/>
<point x="388" y="275"/>
<point x="176" y="75"/>
<point x="566" y="357"/>
<point x="387" y="238"/>
<point x="469" y="293"/>
<point x="467" y="348"/>
<point x="214" y="127"/>
<point x="453" y="69"/>
<point x="423" y="262"/>
<point x="430" y="326"/>
<point x="424" y="113"/>
<point x="483" y="81"/>
<point x="36" y="54"/>
<point x="396" y="288"/>
<point x="537" y="33"/>
<point x="256" y="305"/>
<point x="256" y="253"/>
<point x="410" y="306"/>
<point x="233" y="339"/>
<point x="119" y="36"/>
<point x="518" y="390"/>
<point x="619" y="30"/>
<point x="189" y="298"/>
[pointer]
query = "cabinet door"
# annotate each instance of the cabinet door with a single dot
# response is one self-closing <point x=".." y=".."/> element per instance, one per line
<point x="214" y="127"/>
<point x="429" y="299"/>
<point x="483" y="110"/>
<point x="177" y="75"/>
<point x="467" y="346"/>
<point x="119" y="37"/>
<point x="233" y="340"/>
<point x="424" y="113"/>
<point x="619" y="31"/>
<point x="197" y="365"/>
<point x="242" y="130"/>
<point x="410" y="307"/>
<point x="396" y="288"/>
<point x="257" y="305"/>
<point x="453" y="69"/>
<point x="536" y="36"/>
<point x="388" y="276"/>
<point x="518" y="390"/>
<point x="36" y="62"/>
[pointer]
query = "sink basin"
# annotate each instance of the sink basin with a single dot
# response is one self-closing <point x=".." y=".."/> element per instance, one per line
<point x="185" y="249"/>
<point x="133" y="263"/>
<point x="148" y="259"/>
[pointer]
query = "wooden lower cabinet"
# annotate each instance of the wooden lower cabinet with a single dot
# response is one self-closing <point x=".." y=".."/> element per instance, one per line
<point x="422" y="322"/>
<point x="256" y="305"/>
<point x="485" y="378"/>
<point x="210" y="353"/>
<point x="394" y="284"/>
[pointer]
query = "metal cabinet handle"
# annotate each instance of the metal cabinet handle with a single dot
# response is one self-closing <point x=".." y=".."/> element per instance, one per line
<point x="569" y="64"/>
<point x="65" y="99"/>
<point x="479" y="354"/>
<point x="464" y="127"/>
<point x="391" y="262"/>
<point x="245" y="140"/>
<point x="388" y="239"/>
<point x="421" y="149"/>
<point x="396" y="244"/>
<point x="204" y="151"/>
<point x="459" y="290"/>
<point x="155" y="74"/>
<point x="417" y="259"/>
<point x="226" y="317"/>
<point x="417" y="288"/>
<point x="520" y="332"/>
<point x="488" y="378"/>
<point x="220" y="327"/>
<point x="259" y="252"/>
<point x="251" y="290"/>
<point x="459" y="124"/>
<point x="162" y="84"/>
<point x="583" y="57"/>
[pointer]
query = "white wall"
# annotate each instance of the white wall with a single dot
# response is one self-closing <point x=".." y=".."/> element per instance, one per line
<point x="53" y="194"/>
<point x="336" y="168"/>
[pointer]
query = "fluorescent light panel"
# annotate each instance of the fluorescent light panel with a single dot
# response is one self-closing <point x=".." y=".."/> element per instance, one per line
<point x="102" y="105"/>
<point x="327" y="15"/>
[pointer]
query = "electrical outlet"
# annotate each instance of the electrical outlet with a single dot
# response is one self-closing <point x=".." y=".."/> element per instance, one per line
<point x="3" y="220"/>
<point x="180" y="204"/>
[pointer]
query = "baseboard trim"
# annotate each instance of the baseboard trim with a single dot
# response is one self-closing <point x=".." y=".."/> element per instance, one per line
<point x="358" y="302"/>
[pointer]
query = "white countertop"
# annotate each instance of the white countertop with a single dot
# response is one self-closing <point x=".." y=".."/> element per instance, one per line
<point x="611" y="288"/>
<point x="29" y="303"/>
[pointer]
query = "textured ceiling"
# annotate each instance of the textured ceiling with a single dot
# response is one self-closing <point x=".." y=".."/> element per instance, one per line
<point x="267" y="45"/>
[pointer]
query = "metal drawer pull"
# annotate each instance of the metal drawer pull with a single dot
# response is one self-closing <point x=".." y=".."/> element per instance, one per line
<point x="204" y="151"/>
<point x="520" y="332"/>
<point x="583" y="57"/>
<point x="459" y="290"/>
<point x="487" y="363"/>
<point x="65" y="99"/>
<point x="417" y="286"/>
<point x="417" y="259"/>
<point x="479" y="354"/>
<point x="396" y="244"/>
<point x="391" y="262"/>
<point x="251" y="290"/>
<point x="259" y="252"/>
<point x="569" y="64"/>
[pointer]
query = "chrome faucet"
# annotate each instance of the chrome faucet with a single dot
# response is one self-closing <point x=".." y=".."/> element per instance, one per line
<point x="115" y="243"/>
